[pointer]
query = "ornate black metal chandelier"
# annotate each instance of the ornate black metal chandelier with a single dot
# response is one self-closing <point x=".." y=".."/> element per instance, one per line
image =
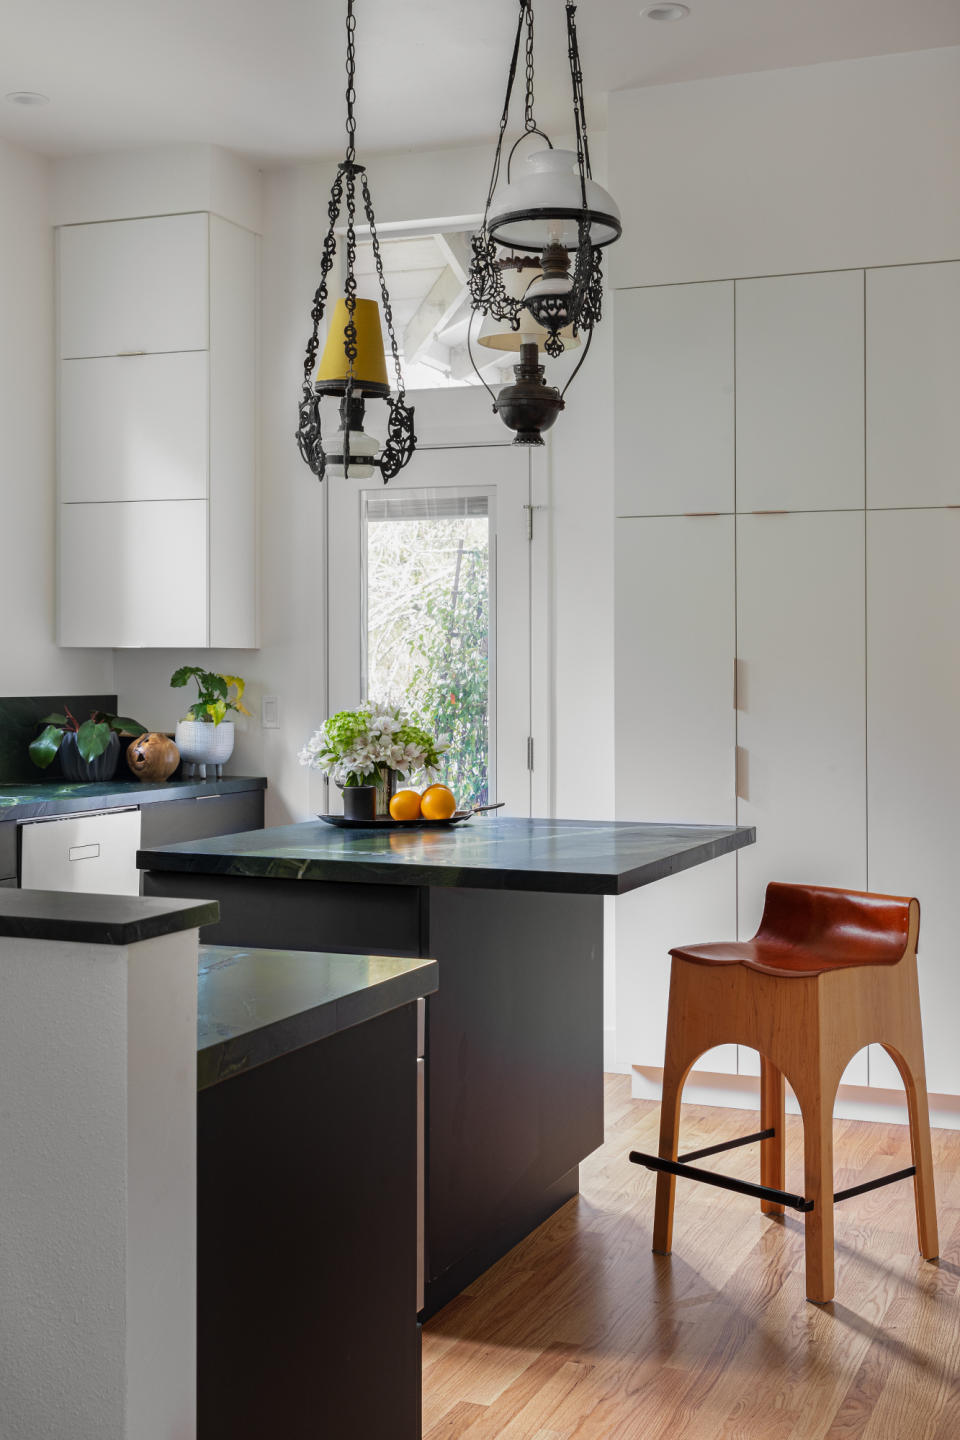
<point x="556" y="211"/>
<point x="353" y="365"/>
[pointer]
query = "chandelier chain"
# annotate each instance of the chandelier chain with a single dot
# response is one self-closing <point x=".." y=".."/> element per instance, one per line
<point x="351" y="93"/>
<point x="384" y="294"/>
<point x="529" y="123"/>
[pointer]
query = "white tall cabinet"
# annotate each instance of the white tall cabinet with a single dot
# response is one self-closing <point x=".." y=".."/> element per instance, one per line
<point x="157" y="432"/>
<point x="818" y="418"/>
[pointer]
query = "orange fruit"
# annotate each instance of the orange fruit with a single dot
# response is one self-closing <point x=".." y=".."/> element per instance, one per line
<point x="405" y="805"/>
<point x="437" y="802"/>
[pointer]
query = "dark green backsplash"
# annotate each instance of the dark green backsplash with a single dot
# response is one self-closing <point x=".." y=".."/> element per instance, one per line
<point x="19" y="719"/>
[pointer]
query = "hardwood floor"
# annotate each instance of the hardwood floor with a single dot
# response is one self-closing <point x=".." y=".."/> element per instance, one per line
<point x="581" y="1333"/>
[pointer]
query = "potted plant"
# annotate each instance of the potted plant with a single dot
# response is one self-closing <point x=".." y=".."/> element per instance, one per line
<point x="88" y="749"/>
<point x="368" y="748"/>
<point x="204" y="735"/>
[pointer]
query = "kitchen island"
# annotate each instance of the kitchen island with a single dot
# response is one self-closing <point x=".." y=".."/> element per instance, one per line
<point x="512" y="910"/>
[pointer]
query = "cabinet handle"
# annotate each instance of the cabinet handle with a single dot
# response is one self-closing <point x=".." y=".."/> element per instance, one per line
<point x="125" y="354"/>
<point x="209" y="797"/>
<point x="83" y="852"/>
<point x="743" y="774"/>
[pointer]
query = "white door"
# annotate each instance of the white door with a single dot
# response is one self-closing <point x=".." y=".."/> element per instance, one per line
<point x="801" y="709"/>
<point x="800" y="392"/>
<point x="913" y="385"/>
<point x="429" y="600"/>
<point x="129" y="286"/>
<point x="675" y="735"/>
<point x="673" y="373"/>
<point x="913" y="611"/>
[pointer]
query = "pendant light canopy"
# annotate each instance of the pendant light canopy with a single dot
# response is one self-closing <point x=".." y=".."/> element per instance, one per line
<point x="353" y="365"/>
<point x="554" y="209"/>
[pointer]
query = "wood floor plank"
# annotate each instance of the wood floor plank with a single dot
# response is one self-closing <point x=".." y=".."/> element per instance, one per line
<point x="581" y="1333"/>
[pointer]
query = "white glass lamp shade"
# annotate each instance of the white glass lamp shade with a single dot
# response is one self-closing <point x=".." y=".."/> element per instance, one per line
<point x="497" y="335"/>
<point x="544" y="205"/>
<point x="363" y="453"/>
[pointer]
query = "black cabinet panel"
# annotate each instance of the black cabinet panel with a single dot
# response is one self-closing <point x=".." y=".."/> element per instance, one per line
<point x="307" y="1225"/>
<point x="165" y="822"/>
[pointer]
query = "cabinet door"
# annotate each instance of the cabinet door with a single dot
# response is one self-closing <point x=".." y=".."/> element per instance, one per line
<point x="167" y="822"/>
<point x="800" y="392"/>
<point x="134" y="573"/>
<point x="92" y="854"/>
<point x="134" y="428"/>
<point x="913" y="385"/>
<point x="675" y="743"/>
<point x="913" y="598"/>
<point x="133" y="285"/>
<point x="674" y="399"/>
<point x="801" y="715"/>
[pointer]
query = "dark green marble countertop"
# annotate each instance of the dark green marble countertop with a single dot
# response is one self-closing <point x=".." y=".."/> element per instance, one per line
<point x="591" y="857"/>
<point x="98" y="919"/>
<point x="64" y="797"/>
<point x="255" y="1005"/>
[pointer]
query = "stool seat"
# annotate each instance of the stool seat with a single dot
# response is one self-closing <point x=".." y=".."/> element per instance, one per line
<point x="807" y="930"/>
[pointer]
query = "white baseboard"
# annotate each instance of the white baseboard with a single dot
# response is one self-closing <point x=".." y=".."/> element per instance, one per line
<point x="611" y="1065"/>
<point x="742" y="1092"/>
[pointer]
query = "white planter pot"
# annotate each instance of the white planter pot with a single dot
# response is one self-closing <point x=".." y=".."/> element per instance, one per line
<point x="201" y="744"/>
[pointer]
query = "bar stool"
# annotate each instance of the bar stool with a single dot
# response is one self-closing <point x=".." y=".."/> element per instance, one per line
<point x="828" y="972"/>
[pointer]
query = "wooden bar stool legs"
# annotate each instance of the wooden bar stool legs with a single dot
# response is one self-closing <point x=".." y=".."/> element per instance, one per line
<point x="773" y="1116"/>
<point x="829" y="972"/>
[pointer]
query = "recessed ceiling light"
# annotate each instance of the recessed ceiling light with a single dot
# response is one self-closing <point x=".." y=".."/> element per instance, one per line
<point x="667" y="12"/>
<point x="27" y="97"/>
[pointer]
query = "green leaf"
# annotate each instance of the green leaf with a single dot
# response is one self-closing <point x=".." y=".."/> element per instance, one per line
<point x="181" y="676"/>
<point x="45" y="747"/>
<point x="92" y="739"/>
<point x="54" y="720"/>
<point x="121" y="722"/>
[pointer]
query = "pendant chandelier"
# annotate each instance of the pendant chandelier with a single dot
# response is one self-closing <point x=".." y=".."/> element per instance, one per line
<point x="353" y="365"/>
<point x="557" y="212"/>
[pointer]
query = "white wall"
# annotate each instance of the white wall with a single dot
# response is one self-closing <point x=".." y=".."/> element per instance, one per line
<point x="578" y="528"/>
<point x="30" y="662"/>
<point x="822" y="167"/>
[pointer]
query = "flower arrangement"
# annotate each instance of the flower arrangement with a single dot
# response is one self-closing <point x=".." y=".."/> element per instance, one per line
<point x="357" y="747"/>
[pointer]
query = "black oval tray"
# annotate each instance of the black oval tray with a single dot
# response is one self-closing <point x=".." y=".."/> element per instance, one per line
<point x="386" y="822"/>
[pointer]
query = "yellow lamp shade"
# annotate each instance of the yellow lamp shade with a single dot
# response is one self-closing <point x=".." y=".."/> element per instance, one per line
<point x="370" y="366"/>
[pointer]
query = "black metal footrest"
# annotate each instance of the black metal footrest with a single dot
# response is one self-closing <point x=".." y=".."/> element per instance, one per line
<point x="686" y="1171"/>
<point x="722" y="1182"/>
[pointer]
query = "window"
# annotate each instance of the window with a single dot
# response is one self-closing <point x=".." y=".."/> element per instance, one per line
<point x="428" y="641"/>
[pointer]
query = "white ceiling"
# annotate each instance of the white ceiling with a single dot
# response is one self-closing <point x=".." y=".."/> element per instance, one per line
<point x="265" y="77"/>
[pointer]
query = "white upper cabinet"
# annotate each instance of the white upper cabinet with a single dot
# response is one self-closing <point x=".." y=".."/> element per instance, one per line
<point x="129" y="286"/>
<point x="135" y="428"/>
<point x="157" y="433"/>
<point x="801" y="703"/>
<point x="674" y="399"/>
<point x="800" y="392"/>
<point x="913" y="385"/>
<point x="134" y="574"/>
<point x="913" y="609"/>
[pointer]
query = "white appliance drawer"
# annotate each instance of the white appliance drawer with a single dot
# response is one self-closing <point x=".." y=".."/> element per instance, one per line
<point x="93" y="853"/>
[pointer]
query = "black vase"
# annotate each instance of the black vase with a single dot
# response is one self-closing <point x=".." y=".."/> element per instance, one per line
<point x="74" y="767"/>
<point x="359" y="802"/>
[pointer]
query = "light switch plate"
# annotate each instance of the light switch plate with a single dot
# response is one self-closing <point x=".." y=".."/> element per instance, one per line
<point x="270" y="712"/>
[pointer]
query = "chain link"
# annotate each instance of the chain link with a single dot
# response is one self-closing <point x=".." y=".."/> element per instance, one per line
<point x="528" y="121"/>
<point x="351" y="93"/>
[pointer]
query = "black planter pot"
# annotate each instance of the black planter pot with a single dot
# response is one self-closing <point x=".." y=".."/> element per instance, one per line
<point x="74" y="767"/>
<point x="360" y="802"/>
